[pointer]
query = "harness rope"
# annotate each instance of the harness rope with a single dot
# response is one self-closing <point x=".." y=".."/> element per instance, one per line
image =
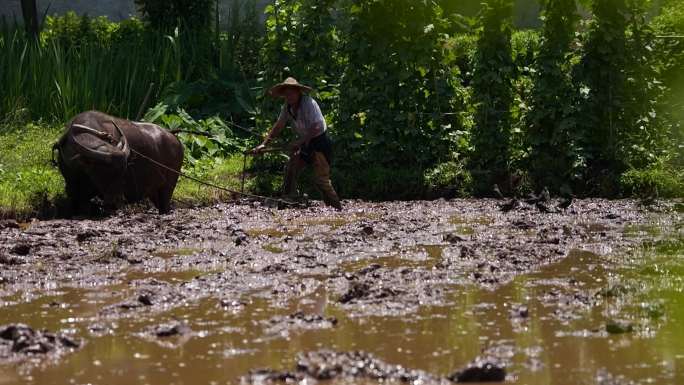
<point x="111" y="140"/>
<point x="179" y="173"/>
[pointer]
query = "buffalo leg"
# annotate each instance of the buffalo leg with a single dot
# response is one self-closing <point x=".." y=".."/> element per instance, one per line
<point x="79" y="190"/>
<point x="166" y="193"/>
<point x="163" y="201"/>
<point x="79" y="197"/>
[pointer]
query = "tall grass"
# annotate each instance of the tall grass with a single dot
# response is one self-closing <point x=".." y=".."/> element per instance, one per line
<point x="54" y="80"/>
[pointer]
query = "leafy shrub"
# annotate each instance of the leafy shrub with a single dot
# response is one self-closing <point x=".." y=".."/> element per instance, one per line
<point x="220" y="142"/>
<point x="525" y="46"/>
<point x="227" y="97"/>
<point x="460" y="52"/>
<point x="449" y="179"/>
<point x="658" y="179"/>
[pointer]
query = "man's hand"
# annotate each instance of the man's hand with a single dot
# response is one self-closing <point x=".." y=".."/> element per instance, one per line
<point x="258" y="149"/>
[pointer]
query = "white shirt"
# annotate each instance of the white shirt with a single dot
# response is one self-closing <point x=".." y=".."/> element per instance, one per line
<point x="307" y="118"/>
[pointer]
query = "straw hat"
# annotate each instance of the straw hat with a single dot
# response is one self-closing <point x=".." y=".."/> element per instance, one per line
<point x="279" y="89"/>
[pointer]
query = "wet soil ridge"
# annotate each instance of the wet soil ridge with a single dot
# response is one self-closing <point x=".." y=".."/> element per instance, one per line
<point x="170" y="335"/>
<point x="19" y="341"/>
<point x="325" y="365"/>
<point x="298" y="321"/>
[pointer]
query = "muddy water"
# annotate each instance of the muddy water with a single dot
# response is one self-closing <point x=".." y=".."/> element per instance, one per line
<point x="597" y="315"/>
<point x="555" y="341"/>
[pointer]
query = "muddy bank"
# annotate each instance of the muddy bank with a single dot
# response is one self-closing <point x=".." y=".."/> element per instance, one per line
<point x="229" y="281"/>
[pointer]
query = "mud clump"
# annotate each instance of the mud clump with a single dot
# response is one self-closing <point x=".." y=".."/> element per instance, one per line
<point x="356" y="290"/>
<point x="20" y="340"/>
<point x="21" y="249"/>
<point x="170" y="330"/>
<point x="367" y="230"/>
<point x="299" y="321"/>
<point x="260" y="376"/>
<point x="481" y="370"/>
<point x="10" y="261"/>
<point x="619" y="327"/>
<point x="359" y="291"/>
<point x="369" y="269"/>
<point x="9" y="224"/>
<point x="151" y="294"/>
<point x="86" y="235"/>
<point x="453" y="238"/>
<point x="240" y="237"/>
<point x="325" y="365"/>
<point x="169" y="335"/>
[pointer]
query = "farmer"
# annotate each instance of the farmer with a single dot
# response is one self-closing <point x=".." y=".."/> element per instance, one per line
<point x="313" y="146"/>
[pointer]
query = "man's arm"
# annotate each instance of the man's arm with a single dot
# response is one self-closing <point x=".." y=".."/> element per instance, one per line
<point x="273" y="132"/>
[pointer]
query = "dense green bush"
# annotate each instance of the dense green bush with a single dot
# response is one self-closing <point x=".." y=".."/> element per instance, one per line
<point x="401" y="99"/>
<point x="551" y="122"/>
<point x="166" y="15"/>
<point x="396" y="87"/>
<point x="493" y="95"/>
<point x="623" y="128"/>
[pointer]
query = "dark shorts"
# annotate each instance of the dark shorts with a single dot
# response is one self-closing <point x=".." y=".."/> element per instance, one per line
<point x="321" y="143"/>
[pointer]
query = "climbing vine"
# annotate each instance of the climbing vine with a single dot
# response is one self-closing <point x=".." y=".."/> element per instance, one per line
<point x="602" y="81"/>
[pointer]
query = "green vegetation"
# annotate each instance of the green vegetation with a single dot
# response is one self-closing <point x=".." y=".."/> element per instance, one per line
<point x="28" y="181"/>
<point x="421" y="101"/>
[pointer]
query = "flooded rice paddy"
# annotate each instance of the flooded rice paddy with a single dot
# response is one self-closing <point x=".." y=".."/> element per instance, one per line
<point x="409" y="292"/>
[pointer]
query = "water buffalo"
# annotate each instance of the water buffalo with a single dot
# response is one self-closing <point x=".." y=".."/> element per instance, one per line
<point x="101" y="155"/>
